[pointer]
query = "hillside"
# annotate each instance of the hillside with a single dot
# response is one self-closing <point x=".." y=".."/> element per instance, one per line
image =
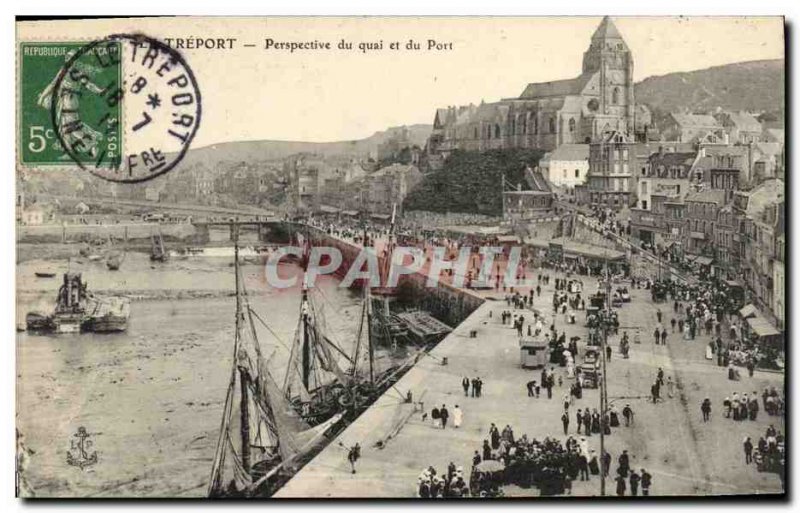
<point x="753" y="86"/>
<point x="469" y="181"/>
<point x="247" y="151"/>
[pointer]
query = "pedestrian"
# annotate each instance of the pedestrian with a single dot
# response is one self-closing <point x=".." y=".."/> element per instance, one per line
<point x="435" y="417"/>
<point x="608" y="353"/>
<point x="647" y="480"/>
<point x="664" y="337"/>
<point x="656" y="335"/>
<point x="583" y="466"/>
<point x="634" y="480"/>
<point x="530" y="385"/>
<point x="673" y="322"/>
<point x="748" y="451"/>
<point x="706" y="409"/>
<point x="487" y="451"/>
<point x="620" y="486"/>
<point x="587" y="422"/>
<point x="352" y="456"/>
<point x="658" y="315"/>
<point x="480" y="387"/>
<point x="624" y="463"/>
<point x="606" y="463"/>
<point x="654" y="392"/>
<point x="465" y="386"/>
<point x="565" y="422"/>
<point x="458" y="417"/>
<point x="566" y="402"/>
<point x="476" y="458"/>
<point x="579" y="420"/>
<point x="494" y="435"/>
<point x="627" y="412"/>
<point x="474" y="386"/>
<point x="670" y="387"/>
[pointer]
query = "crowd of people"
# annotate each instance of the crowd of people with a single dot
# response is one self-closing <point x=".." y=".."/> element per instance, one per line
<point x="548" y="464"/>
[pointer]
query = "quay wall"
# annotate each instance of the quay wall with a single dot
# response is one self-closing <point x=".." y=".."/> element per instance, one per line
<point x="121" y="231"/>
<point x="449" y="304"/>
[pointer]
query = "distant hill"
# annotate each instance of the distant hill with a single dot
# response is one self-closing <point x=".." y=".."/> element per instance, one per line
<point x="247" y="151"/>
<point x="753" y="86"/>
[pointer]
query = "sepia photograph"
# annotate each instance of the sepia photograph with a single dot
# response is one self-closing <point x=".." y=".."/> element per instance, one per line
<point x="454" y="257"/>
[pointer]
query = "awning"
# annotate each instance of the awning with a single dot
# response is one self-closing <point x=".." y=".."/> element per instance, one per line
<point x="703" y="260"/>
<point x="383" y="217"/>
<point x="762" y="327"/>
<point x="697" y="235"/>
<point x="328" y="210"/>
<point x="732" y="283"/>
<point x="508" y="238"/>
<point x="350" y="213"/>
<point x="748" y="311"/>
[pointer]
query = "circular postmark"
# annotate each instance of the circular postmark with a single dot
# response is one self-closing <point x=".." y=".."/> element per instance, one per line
<point x="126" y="108"/>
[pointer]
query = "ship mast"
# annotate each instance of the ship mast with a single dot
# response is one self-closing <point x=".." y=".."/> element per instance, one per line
<point x="244" y="378"/>
<point x="368" y="306"/>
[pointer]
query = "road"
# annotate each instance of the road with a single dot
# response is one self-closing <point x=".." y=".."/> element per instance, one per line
<point x="669" y="439"/>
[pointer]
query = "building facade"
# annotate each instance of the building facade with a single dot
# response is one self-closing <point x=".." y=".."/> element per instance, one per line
<point x="566" y="166"/>
<point x="612" y="159"/>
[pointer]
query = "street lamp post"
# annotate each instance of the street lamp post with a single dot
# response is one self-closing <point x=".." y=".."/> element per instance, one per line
<point x="605" y="319"/>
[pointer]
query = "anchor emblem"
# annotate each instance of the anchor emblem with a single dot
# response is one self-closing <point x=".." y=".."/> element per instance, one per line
<point x="78" y="455"/>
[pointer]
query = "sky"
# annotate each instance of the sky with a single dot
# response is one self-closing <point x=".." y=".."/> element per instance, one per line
<point x="253" y="93"/>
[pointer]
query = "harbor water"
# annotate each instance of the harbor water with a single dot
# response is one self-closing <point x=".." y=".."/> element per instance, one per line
<point x="150" y="398"/>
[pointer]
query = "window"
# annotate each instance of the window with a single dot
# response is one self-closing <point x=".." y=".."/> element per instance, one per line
<point x="564" y="173"/>
<point x="577" y="173"/>
<point x="497" y="131"/>
<point x="535" y="126"/>
<point x="615" y="96"/>
<point x="552" y="125"/>
<point x="476" y="133"/>
<point x="524" y="126"/>
<point x="571" y="125"/>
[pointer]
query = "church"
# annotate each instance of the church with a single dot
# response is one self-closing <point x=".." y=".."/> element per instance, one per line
<point x="549" y="114"/>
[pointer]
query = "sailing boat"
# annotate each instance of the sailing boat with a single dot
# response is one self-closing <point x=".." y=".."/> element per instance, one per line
<point x="114" y="257"/>
<point x="157" y="251"/>
<point x="316" y="384"/>
<point x="262" y="441"/>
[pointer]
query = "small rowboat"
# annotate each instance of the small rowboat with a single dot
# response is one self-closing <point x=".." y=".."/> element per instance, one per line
<point x="43" y="274"/>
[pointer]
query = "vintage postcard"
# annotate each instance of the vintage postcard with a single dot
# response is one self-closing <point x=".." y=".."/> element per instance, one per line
<point x="400" y="257"/>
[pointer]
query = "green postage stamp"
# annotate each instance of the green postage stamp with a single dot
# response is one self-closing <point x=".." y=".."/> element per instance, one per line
<point x="55" y="109"/>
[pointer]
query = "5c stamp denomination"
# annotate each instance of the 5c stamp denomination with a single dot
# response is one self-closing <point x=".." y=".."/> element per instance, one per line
<point x="100" y="128"/>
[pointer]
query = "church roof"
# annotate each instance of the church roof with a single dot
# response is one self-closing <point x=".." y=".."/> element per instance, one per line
<point x="571" y="86"/>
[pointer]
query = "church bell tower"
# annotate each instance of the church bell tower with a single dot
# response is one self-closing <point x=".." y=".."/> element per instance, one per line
<point x="609" y="55"/>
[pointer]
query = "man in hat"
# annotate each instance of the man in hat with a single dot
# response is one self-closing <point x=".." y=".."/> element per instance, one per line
<point x="634" y="480"/>
<point x="627" y="412"/>
<point x="624" y="463"/>
<point x="565" y="421"/>
<point x="646" y="480"/>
